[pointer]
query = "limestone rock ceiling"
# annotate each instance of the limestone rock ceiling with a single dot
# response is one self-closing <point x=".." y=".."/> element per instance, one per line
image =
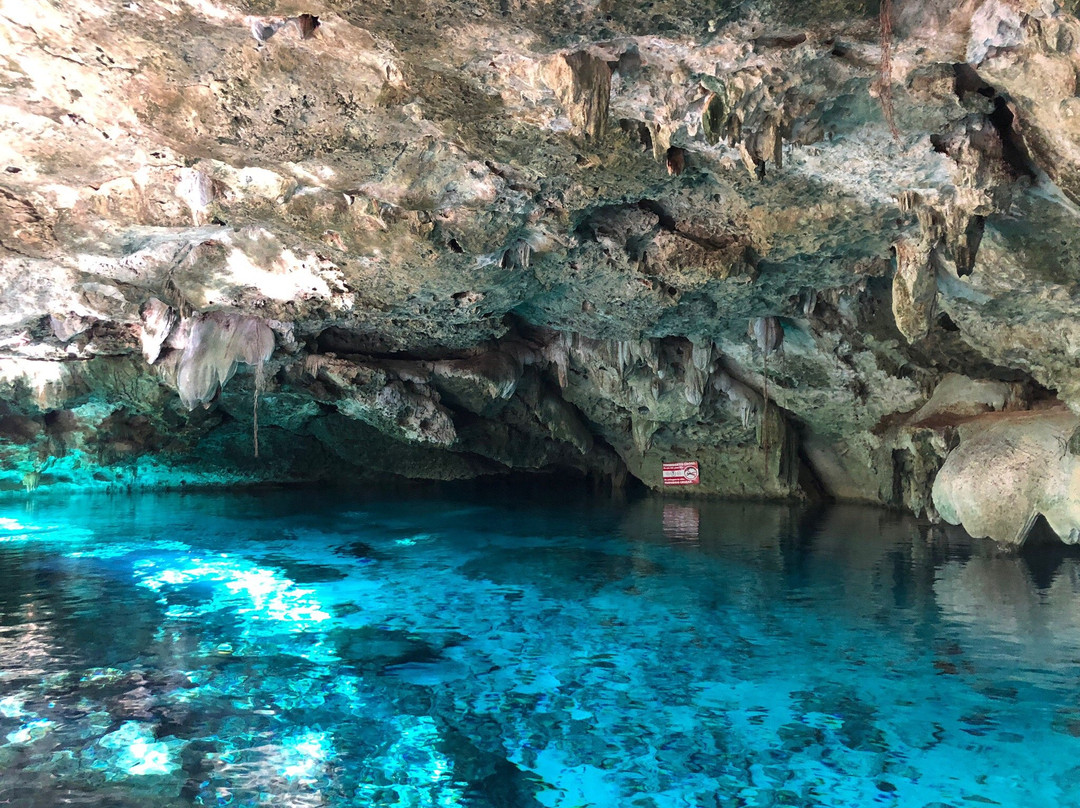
<point x="443" y="239"/>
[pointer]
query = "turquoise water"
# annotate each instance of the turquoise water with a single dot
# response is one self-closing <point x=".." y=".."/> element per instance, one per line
<point x="494" y="652"/>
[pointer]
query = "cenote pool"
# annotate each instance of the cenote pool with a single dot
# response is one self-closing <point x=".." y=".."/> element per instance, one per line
<point x="493" y="652"/>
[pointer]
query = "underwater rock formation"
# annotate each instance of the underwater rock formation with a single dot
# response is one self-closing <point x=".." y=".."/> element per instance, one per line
<point x="536" y="244"/>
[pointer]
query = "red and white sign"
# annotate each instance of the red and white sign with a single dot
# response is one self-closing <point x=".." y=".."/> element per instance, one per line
<point x="682" y="473"/>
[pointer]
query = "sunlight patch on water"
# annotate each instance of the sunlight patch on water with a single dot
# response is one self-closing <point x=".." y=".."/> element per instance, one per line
<point x="132" y="750"/>
<point x="269" y="596"/>
<point x="304" y="755"/>
<point x="30" y="731"/>
<point x="16" y="530"/>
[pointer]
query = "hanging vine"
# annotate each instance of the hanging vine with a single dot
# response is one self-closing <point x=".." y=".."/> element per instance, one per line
<point x="884" y="82"/>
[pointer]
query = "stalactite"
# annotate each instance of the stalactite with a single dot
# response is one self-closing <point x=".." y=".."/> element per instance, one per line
<point x="158" y="322"/>
<point x="517" y="255"/>
<point x="701" y="355"/>
<point x="260" y="384"/>
<point x="557" y="352"/>
<point x="746" y="400"/>
<point x="655" y="389"/>
<point x="32" y="479"/>
<point x="649" y="356"/>
<point x="582" y="83"/>
<point x="624" y="356"/>
<point x="212" y="346"/>
<point x="914" y="289"/>
<point x="694" y="390"/>
<point x="768" y="333"/>
<point x="196" y="189"/>
<point x="641" y="431"/>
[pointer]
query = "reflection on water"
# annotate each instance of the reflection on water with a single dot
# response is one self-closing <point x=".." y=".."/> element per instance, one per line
<point x="289" y="650"/>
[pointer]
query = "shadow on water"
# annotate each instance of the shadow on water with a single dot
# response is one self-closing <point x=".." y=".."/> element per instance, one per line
<point x="1045" y="555"/>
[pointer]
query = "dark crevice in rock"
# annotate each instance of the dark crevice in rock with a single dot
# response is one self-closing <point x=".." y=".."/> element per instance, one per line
<point x="946" y="351"/>
<point x="1039" y="393"/>
<point x="639" y="132"/>
<point x="676" y="161"/>
<point x="852" y="55"/>
<point x="779" y="40"/>
<point x="1014" y="151"/>
<point x="628" y="64"/>
<point x="945" y="323"/>
<point x="969" y="245"/>
<point x="338" y="340"/>
<point x="1003" y="118"/>
<point x="805" y="478"/>
<point x="901" y="473"/>
<point x="967" y="80"/>
<point x="667" y="221"/>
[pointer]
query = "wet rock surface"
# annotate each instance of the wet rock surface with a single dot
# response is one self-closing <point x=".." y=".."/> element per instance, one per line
<point x="265" y="241"/>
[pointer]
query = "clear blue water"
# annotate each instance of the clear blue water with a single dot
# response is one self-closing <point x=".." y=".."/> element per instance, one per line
<point x="293" y="650"/>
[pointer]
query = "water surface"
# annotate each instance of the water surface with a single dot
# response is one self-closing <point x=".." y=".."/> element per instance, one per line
<point x="495" y="652"/>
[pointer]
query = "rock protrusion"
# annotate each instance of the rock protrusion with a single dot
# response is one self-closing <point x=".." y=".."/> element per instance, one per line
<point x="1008" y="471"/>
<point x="396" y="401"/>
<point x="914" y="290"/>
<point x="582" y="83"/>
<point x="959" y="396"/>
<point x="158" y="322"/>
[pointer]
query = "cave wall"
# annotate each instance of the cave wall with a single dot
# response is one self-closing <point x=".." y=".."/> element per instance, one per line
<point x="261" y="241"/>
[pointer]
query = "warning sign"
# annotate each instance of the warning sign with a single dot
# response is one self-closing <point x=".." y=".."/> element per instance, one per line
<point x="681" y="473"/>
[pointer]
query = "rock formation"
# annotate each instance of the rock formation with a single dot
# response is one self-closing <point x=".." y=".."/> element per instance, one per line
<point x="444" y="239"/>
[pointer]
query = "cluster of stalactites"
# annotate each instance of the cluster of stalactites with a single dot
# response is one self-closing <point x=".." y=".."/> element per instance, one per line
<point x="203" y="350"/>
<point x="950" y="222"/>
<point x="619" y="356"/>
<point x="747" y="110"/>
<point x="744" y="112"/>
<point x="747" y="401"/>
<point x="637" y="373"/>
